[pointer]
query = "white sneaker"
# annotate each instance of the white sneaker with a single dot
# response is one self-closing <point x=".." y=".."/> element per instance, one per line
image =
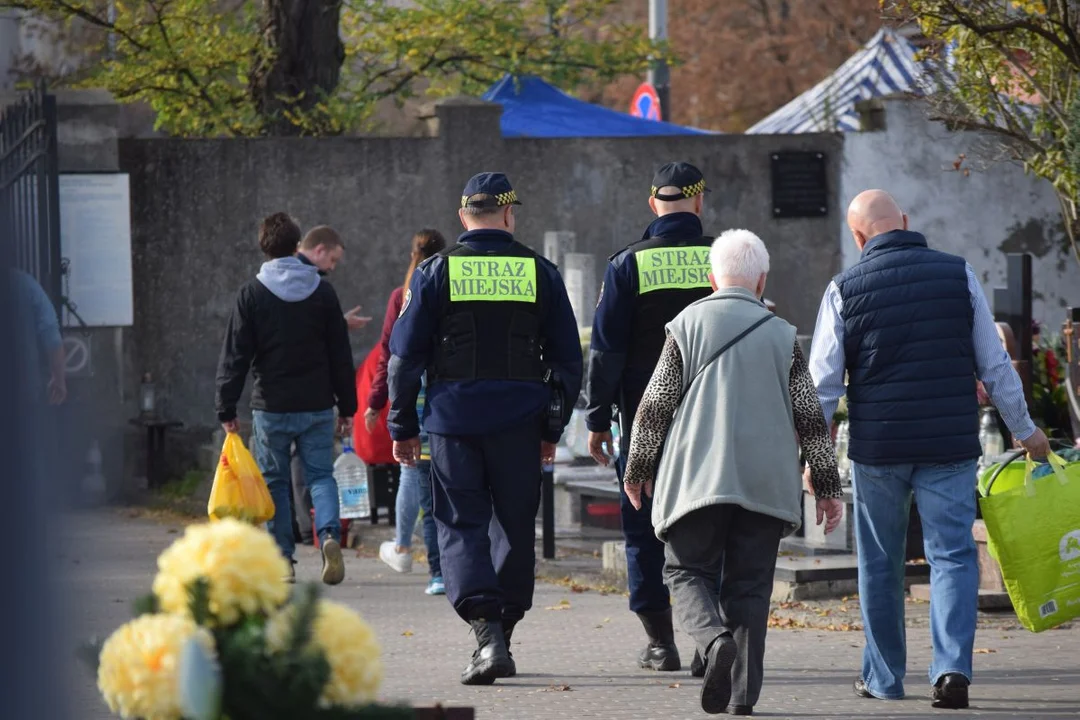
<point x="400" y="562"/>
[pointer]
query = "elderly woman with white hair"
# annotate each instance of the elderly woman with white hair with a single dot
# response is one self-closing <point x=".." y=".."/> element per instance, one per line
<point x="715" y="446"/>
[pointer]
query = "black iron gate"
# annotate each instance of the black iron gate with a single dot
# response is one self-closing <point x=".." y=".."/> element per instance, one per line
<point x="29" y="187"/>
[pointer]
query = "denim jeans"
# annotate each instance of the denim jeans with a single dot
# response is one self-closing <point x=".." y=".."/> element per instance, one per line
<point x="313" y="434"/>
<point x="414" y="494"/>
<point x="945" y="500"/>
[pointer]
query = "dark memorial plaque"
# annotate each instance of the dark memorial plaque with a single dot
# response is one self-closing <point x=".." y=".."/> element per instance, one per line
<point x="799" y="187"/>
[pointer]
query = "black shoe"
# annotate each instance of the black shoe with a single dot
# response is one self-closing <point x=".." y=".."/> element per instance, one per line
<point x="951" y="692"/>
<point x="491" y="660"/>
<point x="697" y="666"/>
<point x="716" y="689"/>
<point x="740" y="710"/>
<point x="508" y="632"/>
<point x="661" y="653"/>
<point x="860" y="689"/>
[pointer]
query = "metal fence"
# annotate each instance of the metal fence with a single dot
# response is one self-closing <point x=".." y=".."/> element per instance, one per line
<point x="29" y="187"/>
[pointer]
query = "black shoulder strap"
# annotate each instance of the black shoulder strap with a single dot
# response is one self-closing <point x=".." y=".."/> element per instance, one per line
<point x="457" y="249"/>
<point x="724" y="349"/>
<point x="516" y="248"/>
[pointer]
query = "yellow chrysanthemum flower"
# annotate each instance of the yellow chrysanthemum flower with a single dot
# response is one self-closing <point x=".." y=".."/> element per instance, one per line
<point x="348" y="644"/>
<point x="242" y="564"/>
<point x="137" y="673"/>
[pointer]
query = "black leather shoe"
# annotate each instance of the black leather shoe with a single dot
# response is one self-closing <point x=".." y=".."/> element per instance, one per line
<point x="508" y="632"/>
<point x="661" y="653"/>
<point x="740" y="710"/>
<point x="697" y="666"/>
<point x="860" y="689"/>
<point x="491" y="660"/>
<point x="951" y="692"/>
<point x="716" y="688"/>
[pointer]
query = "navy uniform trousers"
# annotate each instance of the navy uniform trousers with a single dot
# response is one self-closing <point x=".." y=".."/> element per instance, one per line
<point x="645" y="553"/>
<point x="489" y="569"/>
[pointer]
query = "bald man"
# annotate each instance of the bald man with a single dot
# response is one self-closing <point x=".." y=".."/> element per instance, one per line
<point x="912" y="329"/>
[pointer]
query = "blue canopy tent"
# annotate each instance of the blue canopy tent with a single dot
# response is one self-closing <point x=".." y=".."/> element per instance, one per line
<point x="533" y="108"/>
<point x="886" y="65"/>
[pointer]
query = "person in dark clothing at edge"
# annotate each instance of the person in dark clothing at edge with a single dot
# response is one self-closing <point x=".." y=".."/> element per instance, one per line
<point x="288" y="329"/>
<point x="490" y="322"/>
<point x="645" y="286"/>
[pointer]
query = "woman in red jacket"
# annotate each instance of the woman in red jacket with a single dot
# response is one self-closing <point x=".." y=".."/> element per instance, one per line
<point x="414" y="487"/>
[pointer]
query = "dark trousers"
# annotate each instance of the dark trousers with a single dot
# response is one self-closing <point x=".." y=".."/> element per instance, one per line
<point x="489" y="568"/>
<point x="644" y="552"/>
<point x="301" y="500"/>
<point x="740" y="547"/>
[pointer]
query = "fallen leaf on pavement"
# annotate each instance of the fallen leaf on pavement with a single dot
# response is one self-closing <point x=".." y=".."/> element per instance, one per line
<point x="407" y="633"/>
<point x="563" y="605"/>
<point x="984" y="651"/>
<point x="558" y="688"/>
<point x="675" y="685"/>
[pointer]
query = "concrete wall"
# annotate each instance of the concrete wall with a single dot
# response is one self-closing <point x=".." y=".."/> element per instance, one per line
<point x="995" y="210"/>
<point x="196" y="205"/>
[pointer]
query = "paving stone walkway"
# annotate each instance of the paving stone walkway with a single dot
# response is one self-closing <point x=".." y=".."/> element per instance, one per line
<point x="575" y="650"/>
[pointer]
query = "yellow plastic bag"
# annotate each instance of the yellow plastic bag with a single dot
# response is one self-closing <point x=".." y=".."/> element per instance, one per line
<point x="239" y="489"/>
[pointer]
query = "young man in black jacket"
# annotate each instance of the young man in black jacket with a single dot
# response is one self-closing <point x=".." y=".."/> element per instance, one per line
<point x="288" y="329"/>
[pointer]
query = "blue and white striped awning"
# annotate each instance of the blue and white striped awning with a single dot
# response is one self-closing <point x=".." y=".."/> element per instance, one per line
<point x="884" y="66"/>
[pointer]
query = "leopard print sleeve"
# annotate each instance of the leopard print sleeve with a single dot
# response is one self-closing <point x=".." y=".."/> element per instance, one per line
<point x="813" y="432"/>
<point x="654" y="416"/>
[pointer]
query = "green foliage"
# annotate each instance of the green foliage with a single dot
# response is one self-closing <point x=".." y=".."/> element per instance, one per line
<point x="199" y="601"/>
<point x="146" y="605"/>
<point x="1050" y="407"/>
<point x="1015" y="73"/>
<point x="194" y="61"/>
<point x="184" y="488"/>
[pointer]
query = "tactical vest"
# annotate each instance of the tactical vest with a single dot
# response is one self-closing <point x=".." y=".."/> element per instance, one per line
<point x="489" y="327"/>
<point x="671" y="274"/>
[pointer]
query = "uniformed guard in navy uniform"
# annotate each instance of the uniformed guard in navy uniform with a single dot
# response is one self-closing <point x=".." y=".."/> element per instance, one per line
<point x="645" y="286"/>
<point x="490" y="323"/>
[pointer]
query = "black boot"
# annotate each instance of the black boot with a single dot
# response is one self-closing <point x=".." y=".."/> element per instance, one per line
<point x="697" y="665"/>
<point x="491" y="659"/>
<point x="508" y="631"/>
<point x="660" y="653"/>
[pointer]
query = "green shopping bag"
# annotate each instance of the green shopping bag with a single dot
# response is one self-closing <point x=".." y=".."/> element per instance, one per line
<point x="1034" y="531"/>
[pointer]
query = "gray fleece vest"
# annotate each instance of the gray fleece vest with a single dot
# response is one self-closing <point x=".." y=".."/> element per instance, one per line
<point x="732" y="439"/>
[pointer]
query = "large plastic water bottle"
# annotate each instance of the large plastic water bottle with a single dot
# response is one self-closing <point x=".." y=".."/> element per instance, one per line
<point x="351" y="477"/>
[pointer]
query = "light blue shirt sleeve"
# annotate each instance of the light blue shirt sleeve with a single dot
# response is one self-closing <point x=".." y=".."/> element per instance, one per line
<point x="994" y="366"/>
<point x="37" y="303"/>
<point x="827" y="361"/>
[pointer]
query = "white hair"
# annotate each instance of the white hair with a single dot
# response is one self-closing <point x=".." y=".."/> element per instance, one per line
<point x="739" y="254"/>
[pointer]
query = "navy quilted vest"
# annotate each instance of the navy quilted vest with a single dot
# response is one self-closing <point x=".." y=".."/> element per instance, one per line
<point x="910" y="358"/>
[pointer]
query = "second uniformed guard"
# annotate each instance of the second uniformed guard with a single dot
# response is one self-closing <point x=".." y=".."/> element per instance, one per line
<point x="645" y="286"/>
<point x="490" y="323"/>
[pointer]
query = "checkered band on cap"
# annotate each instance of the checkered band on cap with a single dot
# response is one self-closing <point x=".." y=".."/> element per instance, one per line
<point x="464" y="200"/>
<point x="695" y="189"/>
<point x="506" y="198"/>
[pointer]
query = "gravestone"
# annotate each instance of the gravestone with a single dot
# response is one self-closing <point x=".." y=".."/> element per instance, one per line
<point x="1012" y="305"/>
<point x="579" y="274"/>
<point x="557" y="243"/>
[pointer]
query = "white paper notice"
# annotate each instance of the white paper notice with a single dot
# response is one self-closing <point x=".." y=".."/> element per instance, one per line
<point x="95" y="237"/>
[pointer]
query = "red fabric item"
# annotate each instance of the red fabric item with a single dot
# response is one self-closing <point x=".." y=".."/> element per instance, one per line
<point x="373" y="448"/>
<point x="377" y="398"/>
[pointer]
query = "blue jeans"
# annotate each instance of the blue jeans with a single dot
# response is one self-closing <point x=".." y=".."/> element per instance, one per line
<point x="944" y="495"/>
<point x="313" y="434"/>
<point x="414" y="494"/>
